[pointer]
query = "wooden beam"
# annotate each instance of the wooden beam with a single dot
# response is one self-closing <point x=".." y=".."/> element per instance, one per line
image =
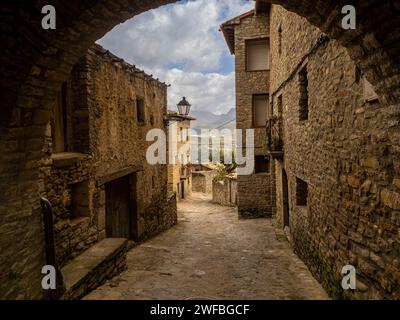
<point x="118" y="174"/>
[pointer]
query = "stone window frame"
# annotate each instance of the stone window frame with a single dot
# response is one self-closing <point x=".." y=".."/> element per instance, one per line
<point x="266" y="159"/>
<point x="63" y="105"/>
<point x="257" y="38"/>
<point x="181" y="134"/>
<point x="357" y="75"/>
<point x="75" y="187"/>
<point x="140" y="112"/>
<point x="280" y="30"/>
<point x="304" y="104"/>
<point x="253" y="111"/>
<point x="302" y="192"/>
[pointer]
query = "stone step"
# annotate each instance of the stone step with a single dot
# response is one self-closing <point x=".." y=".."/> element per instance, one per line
<point x="93" y="267"/>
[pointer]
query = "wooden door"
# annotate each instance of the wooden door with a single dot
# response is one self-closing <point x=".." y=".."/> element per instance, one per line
<point x="118" y="224"/>
<point x="183" y="189"/>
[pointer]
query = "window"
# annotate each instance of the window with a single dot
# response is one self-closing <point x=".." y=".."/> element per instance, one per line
<point x="303" y="100"/>
<point x="178" y="189"/>
<point x="301" y="192"/>
<point x="280" y="106"/>
<point x="260" y="110"/>
<point x="280" y="40"/>
<point x="60" y="121"/>
<point x="257" y="54"/>
<point x="79" y="200"/>
<point x="278" y="141"/>
<point x="140" y="114"/>
<point x="261" y="164"/>
<point x="357" y="74"/>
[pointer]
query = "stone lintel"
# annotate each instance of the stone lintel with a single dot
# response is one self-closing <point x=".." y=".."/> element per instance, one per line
<point x="67" y="159"/>
<point x="118" y="174"/>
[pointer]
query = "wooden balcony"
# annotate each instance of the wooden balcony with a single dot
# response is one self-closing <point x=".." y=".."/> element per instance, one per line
<point x="275" y="138"/>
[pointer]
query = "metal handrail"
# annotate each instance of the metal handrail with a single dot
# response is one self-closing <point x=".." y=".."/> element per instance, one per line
<point x="48" y="223"/>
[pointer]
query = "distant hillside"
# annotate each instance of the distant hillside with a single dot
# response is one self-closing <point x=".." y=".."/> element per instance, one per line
<point x="208" y="120"/>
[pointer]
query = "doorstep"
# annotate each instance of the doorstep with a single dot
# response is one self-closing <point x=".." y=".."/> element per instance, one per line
<point x="93" y="267"/>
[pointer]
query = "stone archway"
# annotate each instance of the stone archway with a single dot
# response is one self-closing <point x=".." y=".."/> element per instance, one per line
<point x="34" y="62"/>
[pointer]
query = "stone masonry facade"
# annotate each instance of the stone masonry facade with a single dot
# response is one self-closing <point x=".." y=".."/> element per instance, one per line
<point x="202" y="181"/>
<point x="179" y="173"/>
<point x="332" y="186"/>
<point x="342" y="153"/>
<point x="110" y="144"/>
<point x="224" y="191"/>
<point x="254" y="190"/>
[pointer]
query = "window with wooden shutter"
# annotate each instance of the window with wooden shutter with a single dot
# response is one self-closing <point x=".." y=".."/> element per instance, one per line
<point x="257" y="54"/>
<point x="260" y="110"/>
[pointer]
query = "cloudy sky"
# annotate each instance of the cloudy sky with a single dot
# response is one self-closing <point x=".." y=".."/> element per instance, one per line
<point x="181" y="44"/>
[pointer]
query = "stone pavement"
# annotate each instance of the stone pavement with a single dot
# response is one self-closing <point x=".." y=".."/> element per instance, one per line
<point x="211" y="254"/>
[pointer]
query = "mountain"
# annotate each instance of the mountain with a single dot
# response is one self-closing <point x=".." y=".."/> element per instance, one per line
<point x="209" y="120"/>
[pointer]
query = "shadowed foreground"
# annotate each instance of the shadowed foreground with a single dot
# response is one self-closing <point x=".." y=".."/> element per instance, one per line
<point x="211" y="254"/>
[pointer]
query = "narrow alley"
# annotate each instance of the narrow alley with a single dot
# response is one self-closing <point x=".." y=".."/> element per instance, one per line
<point x="211" y="254"/>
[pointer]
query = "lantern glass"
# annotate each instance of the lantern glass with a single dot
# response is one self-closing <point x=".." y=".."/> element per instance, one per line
<point x="184" y="107"/>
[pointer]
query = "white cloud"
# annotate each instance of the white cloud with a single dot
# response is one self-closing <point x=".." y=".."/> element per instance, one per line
<point x="211" y="92"/>
<point x="181" y="44"/>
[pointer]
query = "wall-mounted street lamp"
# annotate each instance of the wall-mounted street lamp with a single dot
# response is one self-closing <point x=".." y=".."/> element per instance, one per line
<point x="184" y="107"/>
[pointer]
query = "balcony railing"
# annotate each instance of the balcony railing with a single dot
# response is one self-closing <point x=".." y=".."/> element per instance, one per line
<point x="275" y="137"/>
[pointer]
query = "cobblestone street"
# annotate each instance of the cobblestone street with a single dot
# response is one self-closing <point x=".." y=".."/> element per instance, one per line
<point x="211" y="254"/>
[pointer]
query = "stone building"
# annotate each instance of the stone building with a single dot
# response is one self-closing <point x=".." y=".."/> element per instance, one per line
<point x="330" y="145"/>
<point x="202" y="177"/>
<point x="179" y="166"/>
<point x="247" y="37"/>
<point x="202" y="181"/>
<point x="224" y="190"/>
<point x="97" y="179"/>
<point x="330" y="152"/>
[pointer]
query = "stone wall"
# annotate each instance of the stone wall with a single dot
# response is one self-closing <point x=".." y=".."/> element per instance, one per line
<point x="254" y="197"/>
<point x="179" y="179"/>
<point x="224" y="192"/>
<point x="347" y="152"/>
<point x="116" y="145"/>
<point x="202" y="181"/>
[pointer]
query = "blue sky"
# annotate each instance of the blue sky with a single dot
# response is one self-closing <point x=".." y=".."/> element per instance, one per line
<point x="181" y="44"/>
